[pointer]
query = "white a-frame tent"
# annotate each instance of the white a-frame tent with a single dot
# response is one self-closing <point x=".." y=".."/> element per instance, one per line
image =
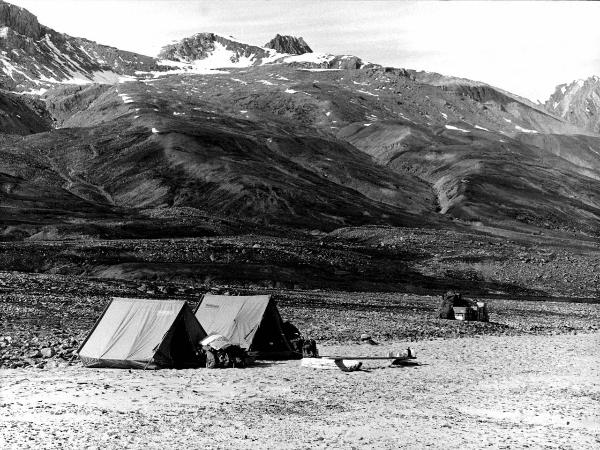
<point x="252" y="322"/>
<point x="143" y="334"/>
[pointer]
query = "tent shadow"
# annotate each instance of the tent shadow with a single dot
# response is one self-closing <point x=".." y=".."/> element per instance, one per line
<point x="408" y="364"/>
<point x="412" y="364"/>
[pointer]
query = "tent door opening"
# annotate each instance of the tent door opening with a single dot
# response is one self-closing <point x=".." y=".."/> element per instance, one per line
<point x="269" y="336"/>
<point x="178" y="351"/>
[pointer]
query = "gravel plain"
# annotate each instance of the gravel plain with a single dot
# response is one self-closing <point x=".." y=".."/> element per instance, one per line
<point x="484" y="392"/>
<point x="527" y="379"/>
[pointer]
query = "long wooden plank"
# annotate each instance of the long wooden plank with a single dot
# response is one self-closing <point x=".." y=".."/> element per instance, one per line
<point x="368" y="357"/>
<point x="397" y="355"/>
<point x="346" y="365"/>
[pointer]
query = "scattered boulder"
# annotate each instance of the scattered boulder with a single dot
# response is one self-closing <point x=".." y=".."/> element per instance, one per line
<point x="367" y="339"/>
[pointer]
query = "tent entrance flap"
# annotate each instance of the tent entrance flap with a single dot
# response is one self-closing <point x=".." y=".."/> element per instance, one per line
<point x="179" y="346"/>
<point x="270" y="337"/>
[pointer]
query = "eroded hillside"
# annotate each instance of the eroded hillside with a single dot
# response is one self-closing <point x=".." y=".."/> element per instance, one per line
<point x="308" y="148"/>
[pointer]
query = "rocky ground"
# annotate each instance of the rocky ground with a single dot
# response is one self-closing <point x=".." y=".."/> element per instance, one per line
<point x="45" y="317"/>
<point x="526" y="379"/>
<point x="369" y="258"/>
<point x="489" y="392"/>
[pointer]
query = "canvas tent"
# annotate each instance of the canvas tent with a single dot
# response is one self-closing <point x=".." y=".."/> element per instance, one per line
<point x="143" y="334"/>
<point x="252" y="322"/>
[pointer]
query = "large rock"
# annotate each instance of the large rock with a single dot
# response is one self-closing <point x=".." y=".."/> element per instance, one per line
<point x="47" y="352"/>
<point x="288" y="44"/>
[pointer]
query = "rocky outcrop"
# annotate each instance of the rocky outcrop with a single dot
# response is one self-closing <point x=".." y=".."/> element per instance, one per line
<point x="20" y="20"/>
<point x="578" y="103"/>
<point x="347" y="62"/>
<point x="327" y="61"/>
<point x="288" y="44"/>
<point x="120" y="61"/>
<point x="35" y="56"/>
<point x="202" y="45"/>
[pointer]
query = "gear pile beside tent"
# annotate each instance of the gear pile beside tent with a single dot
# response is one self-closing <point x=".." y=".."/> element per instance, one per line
<point x="219" y="352"/>
<point x="455" y="307"/>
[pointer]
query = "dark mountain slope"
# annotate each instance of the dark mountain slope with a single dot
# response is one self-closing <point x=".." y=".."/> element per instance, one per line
<point x="22" y="114"/>
<point x="499" y="100"/>
<point x="281" y="145"/>
<point x="490" y="181"/>
<point x="489" y="158"/>
<point x="149" y="153"/>
<point x="34" y="192"/>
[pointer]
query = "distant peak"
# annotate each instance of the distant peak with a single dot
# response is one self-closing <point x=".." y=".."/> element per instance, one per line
<point x="288" y="44"/>
<point x="203" y="45"/>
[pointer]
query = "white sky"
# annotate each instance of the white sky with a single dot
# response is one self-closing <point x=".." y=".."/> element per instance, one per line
<point x="524" y="47"/>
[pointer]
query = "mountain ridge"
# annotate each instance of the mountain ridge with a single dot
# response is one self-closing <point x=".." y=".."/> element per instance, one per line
<point x="35" y="57"/>
<point x="310" y="141"/>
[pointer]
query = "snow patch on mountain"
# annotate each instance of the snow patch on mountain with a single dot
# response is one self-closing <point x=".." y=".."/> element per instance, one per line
<point x="200" y="67"/>
<point x="367" y="92"/>
<point x="315" y="58"/>
<point x="524" y="130"/>
<point x="126" y="98"/>
<point x="40" y="91"/>
<point x="320" y="70"/>
<point x="451" y="127"/>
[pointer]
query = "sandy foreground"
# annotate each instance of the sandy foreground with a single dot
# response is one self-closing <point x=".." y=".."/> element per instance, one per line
<point x="494" y="392"/>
